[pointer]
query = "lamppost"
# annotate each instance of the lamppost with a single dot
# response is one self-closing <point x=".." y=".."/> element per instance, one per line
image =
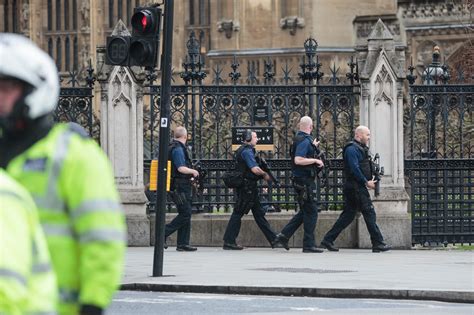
<point x="434" y="74"/>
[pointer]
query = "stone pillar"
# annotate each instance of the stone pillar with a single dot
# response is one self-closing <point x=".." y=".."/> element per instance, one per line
<point x="36" y="17"/>
<point x="381" y="109"/>
<point x="121" y="137"/>
<point x="92" y="18"/>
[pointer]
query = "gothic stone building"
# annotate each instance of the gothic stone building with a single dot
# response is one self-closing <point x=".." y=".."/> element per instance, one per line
<point x="253" y="30"/>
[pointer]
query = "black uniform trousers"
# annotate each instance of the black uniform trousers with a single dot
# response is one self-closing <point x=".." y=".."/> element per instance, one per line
<point x="308" y="214"/>
<point x="247" y="199"/>
<point x="182" y="197"/>
<point x="356" y="199"/>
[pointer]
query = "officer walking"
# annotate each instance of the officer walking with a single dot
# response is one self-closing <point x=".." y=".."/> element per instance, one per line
<point x="181" y="189"/>
<point x="303" y="164"/>
<point x="248" y="196"/>
<point x="68" y="176"/>
<point x="358" y="179"/>
<point x="27" y="280"/>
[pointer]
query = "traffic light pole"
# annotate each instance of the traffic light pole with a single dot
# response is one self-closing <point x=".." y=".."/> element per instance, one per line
<point x="160" y="204"/>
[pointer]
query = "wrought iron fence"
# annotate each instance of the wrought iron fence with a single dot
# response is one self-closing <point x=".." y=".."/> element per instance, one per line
<point x="75" y="103"/>
<point x="439" y="160"/>
<point x="209" y="112"/>
<point x="439" y="127"/>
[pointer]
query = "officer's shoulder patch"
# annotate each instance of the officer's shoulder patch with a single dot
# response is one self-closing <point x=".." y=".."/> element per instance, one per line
<point x="78" y="129"/>
<point x="35" y="165"/>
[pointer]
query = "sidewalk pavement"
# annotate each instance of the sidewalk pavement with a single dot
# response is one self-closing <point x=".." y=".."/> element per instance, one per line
<point x="442" y="275"/>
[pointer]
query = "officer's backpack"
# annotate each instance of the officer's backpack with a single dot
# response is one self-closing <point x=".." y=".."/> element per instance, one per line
<point x="234" y="178"/>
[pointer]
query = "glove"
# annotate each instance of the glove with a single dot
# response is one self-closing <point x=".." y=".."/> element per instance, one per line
<point x="87" y="309"/>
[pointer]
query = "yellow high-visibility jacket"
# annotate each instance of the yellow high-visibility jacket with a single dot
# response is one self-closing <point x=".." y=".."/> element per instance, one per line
<point x="27" y="280"/>
<point x="71" y="181"/>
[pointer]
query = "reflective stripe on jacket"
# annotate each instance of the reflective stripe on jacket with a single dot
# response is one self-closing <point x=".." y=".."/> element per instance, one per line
<point x="27" y="281"/>
<point x="71" y="181"/>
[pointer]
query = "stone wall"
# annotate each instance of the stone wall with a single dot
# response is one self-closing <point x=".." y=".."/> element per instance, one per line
<point x="208" y="230"/>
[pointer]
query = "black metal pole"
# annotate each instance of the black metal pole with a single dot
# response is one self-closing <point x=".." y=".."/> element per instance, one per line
<point x="160" y="204"/>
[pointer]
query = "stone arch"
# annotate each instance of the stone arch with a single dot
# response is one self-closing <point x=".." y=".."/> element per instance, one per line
<point x="384" y="87"/>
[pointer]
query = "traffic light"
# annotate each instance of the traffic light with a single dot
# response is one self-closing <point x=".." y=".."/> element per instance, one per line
<point x="140" y="49"/>
<point x="145" y="36"/>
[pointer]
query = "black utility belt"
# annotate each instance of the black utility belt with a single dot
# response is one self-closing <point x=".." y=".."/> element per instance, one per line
<point x="250" y="182"/>
<point x="182" y="180"/>
<point x="304" y="179"/>
<point x="354" y="182"/>
<point x="251" y="179"/>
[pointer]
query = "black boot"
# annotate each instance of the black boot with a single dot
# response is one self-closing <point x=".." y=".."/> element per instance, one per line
<point x="329" y="246"/>
<point x="280" y="240"/>
<point x="185" y="248"/>
<point x="381" y="248"/>
<point x="229" y="246"/>
<point x="312" y="250"/>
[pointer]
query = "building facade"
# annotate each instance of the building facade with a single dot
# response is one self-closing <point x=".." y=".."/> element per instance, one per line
<point x="253" y="30"/>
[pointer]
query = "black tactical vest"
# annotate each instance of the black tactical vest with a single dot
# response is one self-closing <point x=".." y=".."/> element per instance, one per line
<point x="174" y="170"/>
<point x="242" y="166"/>
<point x="310" y="170"/>
<point x="364" y="164"/>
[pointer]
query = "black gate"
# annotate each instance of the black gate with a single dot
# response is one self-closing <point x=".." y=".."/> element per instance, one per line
<point x="439" y="159"/>
<point x="210" y="111"/>
<point x="75" y="102"/>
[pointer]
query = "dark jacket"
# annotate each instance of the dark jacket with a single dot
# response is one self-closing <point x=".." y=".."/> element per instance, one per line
<point x="175" y="174"/>
<point x="303" y="170"/>
<point x="242" y="166"/>
<point x="357" y="165"/>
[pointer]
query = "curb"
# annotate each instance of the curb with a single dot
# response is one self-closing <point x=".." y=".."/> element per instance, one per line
<point x="442" y="296"/>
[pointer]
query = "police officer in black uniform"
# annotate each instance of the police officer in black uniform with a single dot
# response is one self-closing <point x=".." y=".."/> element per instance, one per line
<point x="181" y="189"/>
<point x="358" y="179"/>
<point x="304" y="168"/>
<point x="247" y="195"/>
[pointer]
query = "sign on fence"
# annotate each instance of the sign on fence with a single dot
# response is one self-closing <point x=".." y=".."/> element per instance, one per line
<point x="260" y="112"/>
<point x="264" y="135"/>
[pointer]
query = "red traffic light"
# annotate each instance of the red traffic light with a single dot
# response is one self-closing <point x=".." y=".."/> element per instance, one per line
<point x="142" y="48"/>
<point x="143" y="22"/>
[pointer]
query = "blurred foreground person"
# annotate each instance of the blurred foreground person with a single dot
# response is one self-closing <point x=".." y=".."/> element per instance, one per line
<point x="68" y="176"/>
<point x="27" y="280"/>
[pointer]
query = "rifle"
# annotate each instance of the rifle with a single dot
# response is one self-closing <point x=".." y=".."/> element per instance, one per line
<point x="322" y="172"/>
<point x="198" y="183"/>
<point x="378" y="171"/>
<point x="262" y="163"/>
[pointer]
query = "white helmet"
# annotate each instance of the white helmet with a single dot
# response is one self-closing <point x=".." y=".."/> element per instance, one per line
<point x="21" y="59"/>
